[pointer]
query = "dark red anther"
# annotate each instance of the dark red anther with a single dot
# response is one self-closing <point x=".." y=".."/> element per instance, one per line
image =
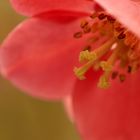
<point x="114" y="75"/>
<point x="102" y="16"/>
<point x="83" y="23"/>
<point x="119" y="29"/>
<point x="129" y="69"/>
<point x="78" y="35"/>
<point x="111" y="19"/>
<point x="121" y="35"/>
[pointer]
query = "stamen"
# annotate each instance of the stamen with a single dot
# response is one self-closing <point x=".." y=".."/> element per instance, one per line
<point x="97" y="53"/>
<point x="87" y="29"/>
<point x="102" y="16"/>
<point x="112" y="58"/>
<point x="129" y="69"/>
<point x="119" y="29"/>
<point x="121" y="35"/>
<point x="111" y="19"/>
<point x="104" y="81"/>
<point x="83" y="23"/>
<point x="86" y="55"/>
<point x="114" y="75"/>
<point x="122" y="77"/>
<point x="80" y="72"/>
<point x="107" y="67"/>
<point x="94" y="15"/>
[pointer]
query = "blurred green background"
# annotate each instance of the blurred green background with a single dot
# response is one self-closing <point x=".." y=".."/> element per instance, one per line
<point x="21" y="116"/>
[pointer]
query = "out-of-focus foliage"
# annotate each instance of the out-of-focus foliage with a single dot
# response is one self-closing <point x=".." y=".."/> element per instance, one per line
<point x="22" y="117"/>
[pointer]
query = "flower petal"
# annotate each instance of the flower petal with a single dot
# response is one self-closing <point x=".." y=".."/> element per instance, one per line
<point x="126" y="11"/>
<point x="68" y="107"/>
<point x="40" y="54"/>
<point x="34" y="7"/>
<point x="112" y="114"/>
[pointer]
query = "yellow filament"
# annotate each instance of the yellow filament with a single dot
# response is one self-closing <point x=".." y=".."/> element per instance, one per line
<point x="97" y="53"/>
<point x="80" y="72"/>
<point x="107" y="67"/>
<point x="103" y="49"/>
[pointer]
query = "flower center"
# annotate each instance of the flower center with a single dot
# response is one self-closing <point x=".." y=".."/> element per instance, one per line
<point x="118" y="55"/>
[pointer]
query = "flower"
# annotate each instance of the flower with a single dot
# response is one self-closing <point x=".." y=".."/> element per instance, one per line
<point x="40" y="54"/>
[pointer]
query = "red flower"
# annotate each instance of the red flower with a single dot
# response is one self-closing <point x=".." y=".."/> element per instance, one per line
<point x="40" y="54"/>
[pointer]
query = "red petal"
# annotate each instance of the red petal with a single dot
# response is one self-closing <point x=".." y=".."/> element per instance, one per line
<point x="112" y="114"/>
<point x="33" y="7"/>
<point x="39" y="56"/>
<point x="126" y="11"/>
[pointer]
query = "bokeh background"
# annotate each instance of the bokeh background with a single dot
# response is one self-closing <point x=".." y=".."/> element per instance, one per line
<point x="21" y="116"/>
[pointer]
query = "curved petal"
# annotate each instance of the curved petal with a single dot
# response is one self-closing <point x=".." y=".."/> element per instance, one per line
<point x="34" y="7"/>
<point x="112" y="114"/>
<point x="126" y="11"/>
<point x="68" y="107"/>
<point x="39" y="56"/>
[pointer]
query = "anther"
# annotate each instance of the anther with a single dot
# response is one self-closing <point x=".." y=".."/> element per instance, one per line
<point x="106" y="66"/>
<point x="122" y="77"/>
<point x="86" y="55"/>
<point x="119" y="29"/>
<point x="110" y="19"/>
<point x="78" y="35"/>
<point x="83" y="23"/>
<point x="129" y="69"/>
<point x="94" y="15"/>
<point x="103" y="49"/>
<point x="87" y="29"/>
<point x="121" y="35"/>
<point x="103" y="82"/>
<point x="114" y="75"/>
<point x="102" y="16"/>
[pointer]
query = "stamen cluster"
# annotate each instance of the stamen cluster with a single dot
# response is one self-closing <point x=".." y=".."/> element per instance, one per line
<point x="121" y="48"/>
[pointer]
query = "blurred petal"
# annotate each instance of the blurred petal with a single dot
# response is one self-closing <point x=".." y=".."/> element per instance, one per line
<point x="34" y="7"/>
<point x="126" y="11"/>
<point x="68" y="107"/>
<point x="39" y="56"/>
<point x="112" y="114"/>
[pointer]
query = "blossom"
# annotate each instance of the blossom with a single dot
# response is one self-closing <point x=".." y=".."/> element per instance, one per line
<point x="39" y="55"/>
